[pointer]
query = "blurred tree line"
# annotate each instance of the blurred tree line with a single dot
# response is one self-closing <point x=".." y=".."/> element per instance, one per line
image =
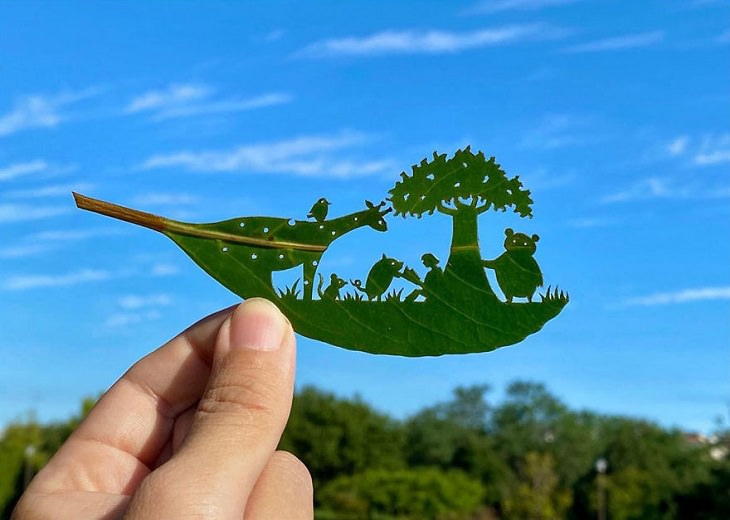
<point x="528" y="457"/>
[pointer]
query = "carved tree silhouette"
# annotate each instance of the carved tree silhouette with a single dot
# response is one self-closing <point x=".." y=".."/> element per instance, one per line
<point x="462" y="187"/>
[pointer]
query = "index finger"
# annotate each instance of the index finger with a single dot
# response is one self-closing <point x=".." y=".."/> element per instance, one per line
<point x="135" y="418"/>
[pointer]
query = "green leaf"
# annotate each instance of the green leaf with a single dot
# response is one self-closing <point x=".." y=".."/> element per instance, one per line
<point x="447" y="310"/>
<point x="447" y="184"/>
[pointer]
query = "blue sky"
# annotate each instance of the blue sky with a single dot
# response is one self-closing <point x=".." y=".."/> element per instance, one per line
<point x="614" y="113"/>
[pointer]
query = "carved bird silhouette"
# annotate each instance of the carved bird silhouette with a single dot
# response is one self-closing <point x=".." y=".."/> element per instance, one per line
<point x="319" y="210"/>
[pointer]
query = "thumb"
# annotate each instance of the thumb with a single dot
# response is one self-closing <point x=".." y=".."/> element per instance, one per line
<point x="239" y="420"/>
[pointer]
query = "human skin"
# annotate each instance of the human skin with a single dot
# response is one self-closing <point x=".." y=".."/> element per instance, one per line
<point x="190" y="431"/>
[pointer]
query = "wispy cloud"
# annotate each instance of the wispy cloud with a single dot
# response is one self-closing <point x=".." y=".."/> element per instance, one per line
<point x="135" y="309"/>
<point x="124" y="319"/>
<point x="162" y="269"/>
<point x="184" y="100"/>
<point x="131" y="302"/>
<point x="618" y="43"/>
<point x="723" y="38"/>
<point x="67" y="235"/>
<point x="230" y="105"/>
<point x="593" y="222"/>
<point x="57" y="190"/>
<point x="45" y="241"/>
<point x="678" y="145"/>
<point x="24" y="251"/>
<point x="25" y="282"/>
<point x="682" y="296"/>
<point x="21" y="212"/>
<point x="708" y="150"/>
<point x="493" y="6"/>
<point x="306" y="156"/>
<point x="428" y="41"/>
<point x="15" y="170"/>
<point x="557" y="131"/>
<point x="666" y="188"/>
<point x="164" y="199"/>
<point x="713" y="149"/>
<point x="173" y="96"/>
<point x="275" y="35"/>
<point x="38" y="111"/>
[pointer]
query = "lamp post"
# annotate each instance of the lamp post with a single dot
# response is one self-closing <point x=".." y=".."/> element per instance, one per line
<point x="601" y="467"/>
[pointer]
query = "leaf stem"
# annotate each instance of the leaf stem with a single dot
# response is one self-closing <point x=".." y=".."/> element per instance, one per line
<point x="133" y="216"/>
<point x="162" y="224"/>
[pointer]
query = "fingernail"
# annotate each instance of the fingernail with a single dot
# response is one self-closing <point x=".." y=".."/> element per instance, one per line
<point x="257" y="324"/>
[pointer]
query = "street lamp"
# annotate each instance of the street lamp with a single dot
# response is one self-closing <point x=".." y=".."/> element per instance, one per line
<point x="601" y="467"/>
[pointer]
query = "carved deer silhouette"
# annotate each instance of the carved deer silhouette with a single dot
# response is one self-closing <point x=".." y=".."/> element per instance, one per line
<point x="297" y="234"/>
<point x="262" y="244"/>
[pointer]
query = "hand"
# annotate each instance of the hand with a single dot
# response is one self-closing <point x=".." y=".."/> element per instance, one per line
<point x="190" y="431"/>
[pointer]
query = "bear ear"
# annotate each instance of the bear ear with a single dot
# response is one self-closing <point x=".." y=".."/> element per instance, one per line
<point x="535" y="238"/>
<point x="509" y="232"/>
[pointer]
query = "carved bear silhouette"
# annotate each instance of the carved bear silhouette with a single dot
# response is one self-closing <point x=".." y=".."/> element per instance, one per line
<point x="518" y="274"/>
<point x="379" y="278"/>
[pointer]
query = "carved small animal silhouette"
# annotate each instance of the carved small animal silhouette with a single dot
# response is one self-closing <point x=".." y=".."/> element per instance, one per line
<point x="319" y="210"/>
<point x="332" y="291"/>
<point x="379" y="278"/>
<point x="517" y="271"/>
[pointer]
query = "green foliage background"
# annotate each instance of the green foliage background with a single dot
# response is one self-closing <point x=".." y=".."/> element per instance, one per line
<point x="528" y="457"/>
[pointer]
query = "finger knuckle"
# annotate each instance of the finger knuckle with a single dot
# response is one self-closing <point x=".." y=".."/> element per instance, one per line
<point x="245" y="398"/>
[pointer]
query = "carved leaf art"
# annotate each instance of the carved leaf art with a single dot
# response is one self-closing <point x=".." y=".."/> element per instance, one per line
<point x="449" y="310"/>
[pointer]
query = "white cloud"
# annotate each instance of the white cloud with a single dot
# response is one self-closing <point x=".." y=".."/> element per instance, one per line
<point x="630" y="41"/>
<point x="683" y="296"/>
<point x="231" y="105"/>
<point x="49" y="191"/>
<point x="556" y="131"/>
<point x="19" y="283"/>
<point x="124" y="319"/>
<point x="22" y="212"/>
<point x="664" y="188"/>
<point x="172" y="96"/>
<point x="63" y="235"/>
<point x="38" y="111"/>
<point x="132" y="302"/>
<point x="135" y="309"/>
<point x="650" y="188"/>
<point x="493" y="6"/>
<point x="678" y="146"/>
<point x="24" y="251"/>
<point x="427" y="42"/>
<point x="15" y="170"/>
<point x="590" y="223"/>
<point x="275" y="35"/>
<point x="710" y="150"/>
<point x="184" y="100"/>
<point x="44" y="241"/>
<point x="164" y="270"/>
<point x="713" y="150"/>
<point x="306" y="156"/>
<point x="164" y="199"/>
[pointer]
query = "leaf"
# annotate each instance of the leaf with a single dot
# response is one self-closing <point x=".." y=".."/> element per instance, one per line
<point x="446" y="311"/>
<point x="466" y="176"/>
